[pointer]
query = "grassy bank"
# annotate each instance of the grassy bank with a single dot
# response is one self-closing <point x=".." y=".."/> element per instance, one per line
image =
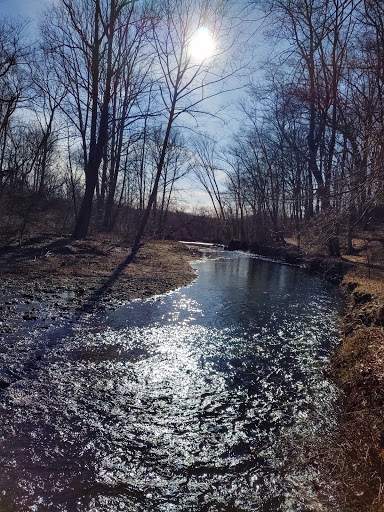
<point x="358" y="369"/>
<point x="353" y="461"/>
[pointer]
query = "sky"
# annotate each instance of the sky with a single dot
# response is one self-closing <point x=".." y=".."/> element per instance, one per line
<point x="25" y="8"/>
<point x="31" y="9"/>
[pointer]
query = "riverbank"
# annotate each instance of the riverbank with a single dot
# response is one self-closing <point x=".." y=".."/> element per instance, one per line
<point x="358" y="369"/>
<point x="354" y="459"/>
<point x="48" y="278"/>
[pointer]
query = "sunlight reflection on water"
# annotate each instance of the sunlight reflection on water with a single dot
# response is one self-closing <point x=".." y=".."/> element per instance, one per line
<point x="194" y="401"/>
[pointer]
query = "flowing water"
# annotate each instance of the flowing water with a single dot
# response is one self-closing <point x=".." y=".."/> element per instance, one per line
<point x="204" y="399"/>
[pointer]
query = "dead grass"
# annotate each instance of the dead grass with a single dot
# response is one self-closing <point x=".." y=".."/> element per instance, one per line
<point x="358" y="368"/>
<point x="86" y="266"/>
<point x="291" y="240"/>
<point x="357" y="282"/>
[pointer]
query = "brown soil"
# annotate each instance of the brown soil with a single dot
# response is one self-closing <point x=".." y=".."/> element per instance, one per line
<point x="49" y="273"/>
<point x="358" y="369"/>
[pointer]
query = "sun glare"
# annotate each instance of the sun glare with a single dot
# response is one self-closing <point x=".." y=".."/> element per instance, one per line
<point x="202" y="45"/>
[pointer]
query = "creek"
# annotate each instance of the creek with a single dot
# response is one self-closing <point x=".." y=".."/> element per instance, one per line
<point x="204" y="399"/>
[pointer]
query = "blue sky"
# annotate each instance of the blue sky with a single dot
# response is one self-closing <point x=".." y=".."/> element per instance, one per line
<point x="31" y="9"/>
<point x="25" y="8"/>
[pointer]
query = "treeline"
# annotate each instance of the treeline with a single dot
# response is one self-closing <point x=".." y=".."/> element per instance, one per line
<point x="90" y="131"/>
<point x="309" y="158"/>
<point x="88" y="113"/>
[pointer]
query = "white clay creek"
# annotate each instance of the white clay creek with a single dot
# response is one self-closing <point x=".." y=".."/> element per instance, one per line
<point x="205" y="399"/>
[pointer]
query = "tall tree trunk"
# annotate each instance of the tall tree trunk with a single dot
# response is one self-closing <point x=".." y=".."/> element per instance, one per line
<point x="160" y="166"/>
<point x="97" y="143"/>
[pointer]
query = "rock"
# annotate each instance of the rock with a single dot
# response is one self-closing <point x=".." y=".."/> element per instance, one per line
<point x="362" y="298"/>
<point x="29" y="315"/>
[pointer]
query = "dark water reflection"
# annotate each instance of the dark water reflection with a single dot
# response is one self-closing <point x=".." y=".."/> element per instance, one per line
<point x="200" y="400"/>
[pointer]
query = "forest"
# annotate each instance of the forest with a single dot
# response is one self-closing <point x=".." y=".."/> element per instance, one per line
<point x="103" y="119"/>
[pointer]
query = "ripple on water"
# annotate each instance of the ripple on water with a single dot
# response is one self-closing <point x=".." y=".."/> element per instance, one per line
<point x="175" y="415"/>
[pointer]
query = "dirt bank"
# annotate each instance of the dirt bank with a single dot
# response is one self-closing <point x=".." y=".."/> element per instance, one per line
<point x="48" y="277"/>
<point x="358" y="369"/>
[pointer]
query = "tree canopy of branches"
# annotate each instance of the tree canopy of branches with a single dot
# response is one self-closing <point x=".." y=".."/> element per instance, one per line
<point x="312" y="145"/>
<point x="100" y="110"/>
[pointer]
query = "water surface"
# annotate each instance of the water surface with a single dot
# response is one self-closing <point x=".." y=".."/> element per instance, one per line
<point x="204" y="399"/>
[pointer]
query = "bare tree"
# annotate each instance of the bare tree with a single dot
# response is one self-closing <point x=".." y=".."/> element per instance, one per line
<point x="14" y="81"/>
<point x="82" y="36"/>
<point x="183" y="79"/>
<point x="210" y="175"/>
<point x="318" y="33"/>
<point x="176" y="166"/>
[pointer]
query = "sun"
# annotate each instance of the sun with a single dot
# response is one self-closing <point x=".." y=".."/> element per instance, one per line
<point x="202" y="45"/>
